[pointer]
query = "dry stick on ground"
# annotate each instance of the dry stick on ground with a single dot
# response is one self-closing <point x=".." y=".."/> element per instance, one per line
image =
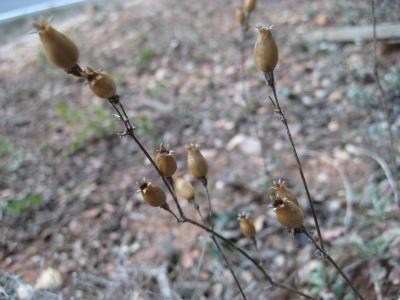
<point x="270" y="80"/>
<point x="383" y="103"/>
<point x="332" y="261"/>
<point x="130" y="131"/>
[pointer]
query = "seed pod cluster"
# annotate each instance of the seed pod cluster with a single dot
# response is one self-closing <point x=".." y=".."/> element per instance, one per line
<point x="265" y="50"/>
<point x="287" y="211"/>
<point x="60" y="50"/>
<point x="196" y="162"/>
<point x="153" y="194"/>
<point x="165" y="161"/>
<point x="184" y="188"/>
<point x="101" y="83"/>
<point x="246" y="225"/>
<point x="250" y="5"/>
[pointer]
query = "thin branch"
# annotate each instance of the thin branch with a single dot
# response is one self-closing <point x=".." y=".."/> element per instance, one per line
<point x="205" y="185"/>
<point x="251" y="259"/>
<point x="119" y="108"/>
<point x="383" y="104"/>
<point x="229" y="266"/>
<point x="210" y="208"/>
<point x="269" y="78"/>
<point x="332" y="261"/>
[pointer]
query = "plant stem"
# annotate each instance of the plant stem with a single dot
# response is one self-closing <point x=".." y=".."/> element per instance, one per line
<point x="129" y="131"/>
<point x="229" y="266"/>
<point x="332" y="261"/>
<point x="383" y="104"/>
<point x="119" y="108"/>
<point x="269" y="78"/>
<point x="210" y="208"/>
<point x="205" y="185"/>
<point x="246" y="255"/>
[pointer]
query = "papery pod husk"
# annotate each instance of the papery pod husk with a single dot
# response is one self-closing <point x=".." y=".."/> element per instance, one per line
<point x="240" y="17"/>
<point x="283" y="192"/>
<point x="265" y="50"/>
<point x="166" y="162"/>
<point x="250" y="5"/>
<point x="101" y="83"/>
<point x="60" y="50"/>
<point x="153" y="194"/>
<point x="196" y="163"/>
<point x="184" y="188"/>
<point x="247" y="227"/>
<point x="289" y="214"/>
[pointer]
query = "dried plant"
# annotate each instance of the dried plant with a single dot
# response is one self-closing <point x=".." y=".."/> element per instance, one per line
<point x="102" y="84"/>
<point x="286" y="206"/>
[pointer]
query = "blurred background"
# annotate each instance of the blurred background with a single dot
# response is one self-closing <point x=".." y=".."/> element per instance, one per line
<point x="68" y="205"/>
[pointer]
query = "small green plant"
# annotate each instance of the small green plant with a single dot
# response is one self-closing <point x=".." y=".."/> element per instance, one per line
<point x="322" y="278"/>
<point x="10" y="158"/>
<point x="144" y="58"/>
<point x="6" y="148"/>
<point x="373" y="248"/>
<point x="156" y="90"/>
<point x="26" y="201"/>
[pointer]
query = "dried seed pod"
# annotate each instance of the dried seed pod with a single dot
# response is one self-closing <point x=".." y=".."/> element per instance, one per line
<point x="165" y="161"/>
<point x="250" y="5"/>
<point x="288" y="213"/>
<point x="196" y="162"/>
<point x="240" y="17"/>
<point x="247" y="225"/>
<point x="184" y="188"/>
<point x="101" y="83"/>
<point x="281" y="191"/>
<point x="265" y="50"/>
<point x="60" y="50"/>
<point x="152" y="194"/>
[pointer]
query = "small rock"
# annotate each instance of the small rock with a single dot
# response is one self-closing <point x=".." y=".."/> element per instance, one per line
<point x="245" y="144"/>
<point x="49" y="279"/>
<point x="322" y="19"/>
<point x="24" y="291"/>
<point x="335" y="96"/>
<point x="217" y="290"/>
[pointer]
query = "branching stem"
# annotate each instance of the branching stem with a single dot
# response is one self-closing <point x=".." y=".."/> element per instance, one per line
<point x="332" y="261"/>
<point x="129" y="131"/>
<point x="270" y="80"/>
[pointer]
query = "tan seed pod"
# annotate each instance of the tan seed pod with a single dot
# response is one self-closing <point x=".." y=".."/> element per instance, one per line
<point x="196" y="162"/>
<point x="153" y="194"/>
<point x="165" y="161"/>
<point x="247" y="226"/>
<point x="184" y="188"/>
<point x="281" y="191"/>
<point x="240" y="17"/>
<point x="288" y="213"/>
<point x="265" y="50"/>
<point x="250" y="5"/>
<point x="101" y="83"/>
<point x="60" y="50"/>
